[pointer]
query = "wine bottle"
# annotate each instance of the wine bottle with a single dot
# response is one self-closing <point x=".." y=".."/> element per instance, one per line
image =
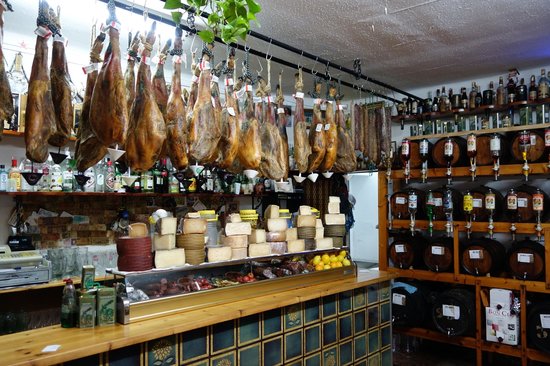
<point x="489" y="95"/>
<point x="463" y="98"/>
<point x="435" y="104"/>
<point x="501" y="94"/>
<point x="511" y="89"/>
<point x="473" y="95"/>
<point x="532" y="89"/>
<point x="543" y="90"/>
<point x="521" y="91"/>
<point x="443" y="101"/>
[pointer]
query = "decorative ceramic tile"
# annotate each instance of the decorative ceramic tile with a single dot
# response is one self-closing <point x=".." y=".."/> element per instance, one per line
<point x="359" y="298"/>
<point x="127" y="356"/>
<point x="346" y="353"/>
<point x="312" y="338"/>
<point x="296" y="363"/>
<point x="226" y="359"/>
<point x="387" y="357"/>
<point x="329" y="306"/>
<point x="360" y="321"/>
<point x="372" y="294"/>
<point x="385" y="291"/>
<point x="360" y="347"/>
<point x="330" y="356"/>
<point x="344" y="301"/>
<point x="346" y="326"/>
<point x="385" y="336"/>
<point x="293" y="316"/>
<point x="374" y="360"/>
<point x="311" y="311"/>
<point x="222" y="337"/>
<point x="251" y="355"/>
<point x="272" y="323"/>
<point x="385" y="312"/>
<point x="374" y="341"/>
<point x="293" y="345"/>
<point x="330" y="332"/>
<point x="161" y="352"/>
<point x="93" y="360"/>
<point x="373" y="316"/>
<point x="273" y="351"/>
<point x="249" y="329"/>
<point x="361" y="363"/>
<point x="313" y="360"/>
<point x="199" y="363"/>
<point x="194" y="344"/>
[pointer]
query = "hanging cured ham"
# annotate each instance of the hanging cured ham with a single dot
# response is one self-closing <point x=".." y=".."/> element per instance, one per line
<point x="281" y="124"/>
<point x="39" y="114"/>
<point x="159" y="82"/>
<point x="346" y="161"/>
<point x="384" y="133"/>
<point x="331" y="133"/>
<point x="302" y="149"/>
<point x="195" y="72"/>
<point x="61" y="90"/>
<point x="6" y="102"/>
<point x="204" y="129"/>
<point x="109" y="111"/>
<point x="358" y="127"/>
<point x="130" y="73"/>
<point x="371" y="145"/>
<point x="316" y="133"/>
<point x="89" y="150"/>
<point x="250" y="145"/>
<point x="176" y="137"/>
<point x="217" y="103"/>
<point x="231" y="124"/>
<point x="147" y="128"/>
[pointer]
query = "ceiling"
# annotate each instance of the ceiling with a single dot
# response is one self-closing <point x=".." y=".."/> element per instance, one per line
<point x="406" y="43"/>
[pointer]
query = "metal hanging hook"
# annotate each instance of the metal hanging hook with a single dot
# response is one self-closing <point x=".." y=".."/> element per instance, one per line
<point x="261" y="67"/>
<point x="192" y="43"/>
<point x="300" y="60"/>
<point x="267" y="55"/>
<point x="313" y="71"/>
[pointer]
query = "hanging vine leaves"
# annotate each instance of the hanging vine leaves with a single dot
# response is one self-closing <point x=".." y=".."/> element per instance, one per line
<point x="229" y="20"/>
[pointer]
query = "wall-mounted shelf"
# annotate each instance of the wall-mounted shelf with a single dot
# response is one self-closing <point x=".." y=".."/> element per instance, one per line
<point x="111" y="194"/>
<point x="481" y="132"/>
<point x="22" y="134"/>
<point x="480" y="227"/>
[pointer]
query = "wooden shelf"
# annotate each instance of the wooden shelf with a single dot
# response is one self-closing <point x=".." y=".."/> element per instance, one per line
<point x="480" y="227"/>
<point x="51" y="284"/>
<point x="432" y="335"/>
<point x="480" y="132"/>
<point x="22" y="134"/>
<point x="482" y="171"/>
<point x="110" y="194"/>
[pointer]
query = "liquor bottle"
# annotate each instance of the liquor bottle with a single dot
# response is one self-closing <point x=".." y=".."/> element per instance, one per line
<point x="430" y="207"/>
<point x="448" y="210"/>
<point x="479" y="97"/>
<point x="489" y="95"/>
<point x="547" y="144"/>
<point x="118" y="179"/>
<point x="109" y="176"/>
<point x="402" y="107"/>
<point x="89" y="186"/>
<point x="511" y="89"/>
<point x="405" y="157"/>
<point x="472" y="96"/>
<point x="490" y="205"/>
<point x="456" y="102"/>
<point x="435" y="104"/>
<point x="525" y="146"/>
<point x="533" y="89"/>
<point x="3" y="178"/>
<point x="543" y="90"/>
<point x="46" y="168"/>
<point x="174" y="184"/>
<point x="427" y="105"/>
<point x="448" y="155"/>
<point x="157" y="179"/>
<point x="100" y="176"/>
<point x="408" y="110"/>
<point x="463" y="98"/>
<point x="521" y="91"/>
<point x="538" y="207"/>
<point x="414" y="107"/>
<point x="443" y="101"/>
<point x="412" y="207"/>
<point x="423" y="148"/>
<point x="164" y="174"/>
<point x="501" y="95"/>
<point x="471" y="151"/>
<point x="494" y="146"/>
<point x="137" y="184"/>
<point x="68" y="305"/>
<point x="14" y="175"/>
<point x="147" y="181"/>
<point x="468" y="208"/>
<point x="67" y="172"/>
<point x="25" y="167"/>
<point x="56" y="178"/>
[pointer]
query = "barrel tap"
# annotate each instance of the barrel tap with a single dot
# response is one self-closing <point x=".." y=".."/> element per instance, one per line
<point x="430" y="205"/>
<point x="468" y="207"/>
<point x="406" y="158"/>
<point x="389" y="161"/>
<point x="448" y="208"/>
<point x="490" y="206"/>
<point x="512" y="208"/>
<point x="494" y="146"/>
<point x="538" y="206"/>
<point x="471" y="144"/>
<point x="413" y="205"/>
<point x="525" y="145"/>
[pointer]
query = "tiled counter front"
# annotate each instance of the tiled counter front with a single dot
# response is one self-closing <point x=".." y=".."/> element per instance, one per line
<point x="348" y="328"/>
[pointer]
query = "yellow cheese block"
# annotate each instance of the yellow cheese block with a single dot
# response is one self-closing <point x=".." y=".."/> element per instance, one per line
<point x="218" y="254"/>
<point x="319" y="232"/>
<point x="164" y="242"/>
<point x="306" y="221"/>
<point x="257" y="236"/>
<point x="239" y="253"/>
<point x="333" y="207"/>
<point x="335" y="219"/>
<point x="318" y="223"/>
<point x="235" y="241"/>
<point x="168" y="225"/>
<point x="238" y="228"/>
<point x="259" y="250"/>
<point x="235" y="217"/>
<point x="304" y="210"/>
<point x="325" y="243"/>
<point x="295" y="246"/>
<point x="333" y="199"/>
<point x="275" y="236"/>
<point x="277" y="224"/>
<point x="271" y="212"/>
<point x="194" y="226"/>
<point x="170" y="258"/>
<point x="292" y="233"/>
<point x="138" y="230"/>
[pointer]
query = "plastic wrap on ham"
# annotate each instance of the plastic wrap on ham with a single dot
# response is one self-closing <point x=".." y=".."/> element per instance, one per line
<point x="159" y="82"/>
<point x="384" y="133"/>
<point x="358" y="128"/>
<point x="302" y="148"/>
<point x="6" y="101"/>
<point x="281" y="125"/>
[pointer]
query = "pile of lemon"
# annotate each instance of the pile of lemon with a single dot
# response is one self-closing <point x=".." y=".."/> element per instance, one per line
<point x="326" y="261"/>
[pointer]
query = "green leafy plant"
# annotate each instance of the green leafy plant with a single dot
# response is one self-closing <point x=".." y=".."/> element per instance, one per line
<point x="229" y="19"/>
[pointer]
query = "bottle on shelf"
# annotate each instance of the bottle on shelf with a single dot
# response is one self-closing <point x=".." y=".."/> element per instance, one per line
<point x="3" y="178"/>
<point x="538" y="207"/>
<point x="408" y="104"/>
<point x="164" y="174"/>
<point x="414" y="107"/>
<point x="56" y="178"/>
<point x="490" y="205"/>
<point x="46" y="169"/>
<point x="533" y="89"/>
<point x="137" y="184"/>
<point x="512" y="210"/>
<point x="147" y="181"/>
<point x="494" y="146"/>
<point x="501" y="92"/>
<point x="471" y="151"/>
<point x="406" y="157"/>
<point x="479" y="97"/>
<point x="109" y="176"/>
<point x="547" y="144"/>
<point x="430" y="207"/>
<point x="14" y="177"/>
<point x="511" y="87"/>
<point x="468" y="208"/>
<point x="423" y="148"/>
<point x="26" y="167"/>
<point x="525" y="146"/>
<point x="174" y="183"/>
<point x="67" y="168"/>
<point x="456" y="103"/>
<point x="448" y="210"/>
<point x="448" y="154"/>
<point x="68" y="305"/>
<point x="435" y="103"/>
<point x="117" y="186"/>
<point x="463" y="98"/>
<point x="427" y="105"/>
<point x="100" y="176"/>
<point x="472" y="96"/>
<point x="443" y="101"/>
<point x="413" y="207"/>
<point x="521" y="91"/>
<point x="89" y="186"/>
<point x="543" y="88"/>
<point x="489" y="96"/>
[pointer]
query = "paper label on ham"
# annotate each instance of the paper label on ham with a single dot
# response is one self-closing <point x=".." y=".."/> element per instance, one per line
<point x="145" y="60"/>
<point x="204" y="65"/>
<point x="215" y="79"/>
<point x="90" y="68"/>
<point x="43" y="32"/>
<point x="257" y="99"/>
<point x="248" y="87"/>
<point x="156" y="60"/>
<point x="319" y="127"/>
<point x="318" y="101"/>
<point x="58" y="38"/>
<point x="267" y="99"/>
<point x="229" y="81"/>
<point x="280" y="111"/>
<point x="195" y="79"/>
<point x="113" y="24"/>
<point x="327" y="126"/>
<point x="330" y="101"/>
<point x="213" y="100"/>
<point x="299" y="95"/>
<point x="239" y="94"/>
<point x="231" y="111"/>
<point x="176" y="59"/>
<point x="341" y="107"/>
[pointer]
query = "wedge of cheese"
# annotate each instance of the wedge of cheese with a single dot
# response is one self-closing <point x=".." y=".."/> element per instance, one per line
<point x="164" y="242"/>
<point x="235" y="241"/>
<point x="278" y="247"/>
<point x="295" y="246"/>
<point x="170" y="258"/>
<point x="335" y="219"/>
<point x="138" y="230"/>
<point x="239" y="253"/>
<point x="277" y="224"/>
<point x="235" y="217"/>
<point x="218" y="254"/>
<point x="292" y="233"/>
<point x="318" y="223"/>
<point x="257" y="236"/>
<point x="238" y="228"/>
<point x="319" y="232"/>
<point x="325" y="243"/>
<point x="304" y="210"/>
<point x="194" y="226"/>
<point x="306" y="221"/>
<point x="333" y="199"/>
<point x="333" y="207"/>
<point x="271" y="212"/>
<point x="259" y="250"/>
<point x="275" y="236"/>
<point x="168" y="225"/>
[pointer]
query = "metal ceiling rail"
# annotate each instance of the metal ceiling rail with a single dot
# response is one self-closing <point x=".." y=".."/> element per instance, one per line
<point x="139" y="10"/>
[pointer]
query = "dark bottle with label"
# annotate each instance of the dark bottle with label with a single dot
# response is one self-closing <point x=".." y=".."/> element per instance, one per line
<point x="533" y="89"/>
<point x="435" y="104"/>
<point x="501" y="95"/>
<point x="455" y="100"/>
<point x="427" y="105"/>
<point x="414" y="106"/>
<point x="157" y="178"/>
<point x="521" y="91"/>
<point x="409" y="106"/>
<point x="443" y="101"/>
<point x="511" y="89"/>
<point x="489" y="95"/>
<point x="463" y="98"/>
<point x="164" y="173"/>
<point x="68" y="305"/>
<point x="472" y="96"/>
<point x="479" y="97"/>
<point x="544" y="89"/>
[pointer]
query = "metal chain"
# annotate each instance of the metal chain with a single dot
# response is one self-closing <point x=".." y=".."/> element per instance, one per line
<point x="207" y="51"/>
<point x="191" y="22"/>
<point x="357" y="68"/>
<point x="179" y="34"/>
<point x="230" y="53"/>
<point x="247" y="74"/>
<point x="44" y="19"/>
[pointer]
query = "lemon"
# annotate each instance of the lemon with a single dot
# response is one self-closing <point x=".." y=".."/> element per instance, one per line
<point x="338" y="264"/>
<point x="341" y="258"/>
<point x="327" y="266"/>
<point x="343" y="252"/>
<point x="325" y="259"/>
<point x="316" y="259"/>
<point x="346" y="262"/>
<point x="319" y="267"/>
<point x="333" y="258"/>
<point x="334" y="265"/>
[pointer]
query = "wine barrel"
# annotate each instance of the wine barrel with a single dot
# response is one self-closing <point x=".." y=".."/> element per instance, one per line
<point x="537" y="335"/>
<point x="409" y="305"/>
<point x="459" y="152"/>
<point x="526" y="260"/>
<point x="439" y="213"/>
<point x="406" y="250"/>
<point x="483" y="146"/>
<point x="479" y="212"/>
<point x="536" y="151"/>
<point x="482" y="256"/>
<point x="453" y="312"/>
<point x="399" y="203"/>
<point x="415" y="161"/>
<point x="525" y="212"/>
<point x="438" y="254"/>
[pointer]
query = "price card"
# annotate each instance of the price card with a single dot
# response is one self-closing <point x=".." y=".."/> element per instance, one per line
<point x="526" y="258"/>
<point x="399" y="299"/>
<point x="477" y="202"/>
<point x="327" y="126"/>
<point x="437" y="250"/>
<point x="231" y="111"/>
<point x="400" y="200"/>
<point x="400" y="248"/>
<point x="545" y="321"/>
<point x="522" y="202"/>
<point x="533" y="139"/>
<point x="319" y="127"/>
<point x="215" y="79"/>
<point x="299" y="95"/>
<point x="280" y="111"/>
<point x="438" y="202"/>
<point x="475" y="254"/>
<point x="451" y="311"/>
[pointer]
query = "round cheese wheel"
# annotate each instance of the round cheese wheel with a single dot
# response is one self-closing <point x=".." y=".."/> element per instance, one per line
<point x="275" y="236"/>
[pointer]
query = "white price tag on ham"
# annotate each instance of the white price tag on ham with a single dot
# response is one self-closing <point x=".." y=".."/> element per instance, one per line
<point x="399" y="299"/>
<point x="145" y="60"/>
<point x="229" y="82"/>
<point x="257" y="99"/>
<point x="451" y="311"/>
<point x="194" y="79"/>
<point x="319" y="127"/>
<point x="248" y="87"/>
<point x="58" y="38"/>
<point x="400" y="200"/>
<point x="280" y="111"/>
<point x="299" y="95"/>
<point x="267" y="99"/>
<point x="213" y="101"/>
<point x="43" y="32"/>
<point x="215" y="79"/>
<point x="327" y="126"/>
<point x="318" y="101"/>
<point x="91" y="67"/>
<point x="155" y="59"/>
<point x="176" y="59"/>
<point x="545" y="321"/>
<point x="204" y="65"/>
<point x="231" y="111"/>
<point x="437" y="250"/>
<point x="526" y="258"/>
<point x="400" y="248"/>
<point x="341" y="107"/>
<point x="475" y="254"/>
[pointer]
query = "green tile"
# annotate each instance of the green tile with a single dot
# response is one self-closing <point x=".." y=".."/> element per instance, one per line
<point x="330" y="356"/>
<point x="222" y="337"/>
<point x="344" y="301"/>
<point x="272" y="323"/>
<point x="329" y="306"/>
<point x="249" y="329"/>
<point x="311" y="311"/>
<point x="296" y="363"/>
<point x="346" y="326"/>
<point x="162" y="351"/>
<point x="293" y="345"/>
<point x="385" y="336"/>
<point x="293" y="316"/>
<point x="372" y="294"/>
<point x="330" y="332"/>
<point x="385" y="312"/>
<point x="360" y="347"/>
<point x="273" y="351"/>
<point x="194" y="344"/>
<point x="361" y="363"/>
<point x="374" y="341"/>
<point x="312" y="341"/>
<point x="313" y="360"/>
<point x="346" y="353"/>
<point x="126" y="356"/>
<point x="225" y="359"/>
<point x="251" y="355"/>
<point x="360" y="321"/>
<point x="385" y="291"/>
<point x="359" y="298"/>
<point x="374" y="360"/>
<point x="387" y="357"/>
<point x="199" y="363"/>
<point x="373" y="316"/>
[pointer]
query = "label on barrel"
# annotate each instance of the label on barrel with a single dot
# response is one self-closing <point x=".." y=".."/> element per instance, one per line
<point x="468" y="203"/>
<point x="448" y="148"/>
<point x="522" y="202"/>
<point x="475" y="254"/>
<point x="437" y="250"/>
<point x="451" y="311"/>
<point x="526" y="258"/>
<point x="400" y="200"/>
<point x="547" y="137"/>
<point x="533" y="139"/>
<point x="438" y="201"/>
<point x="490" y="201"/>
<point x="405" y="147"/>
<point x="538" y="202"/>
<point x="495" y="143"/>
<point x="477" y="202"/>
<point x="413" y="201"/>
<point x="512" y="202"/>
<point x="423" y="147"/>
<point x="545" y="321"/>
<point x="399" y="299"/>
<point x="471" y="143"/>
<point x="400" y="248"/>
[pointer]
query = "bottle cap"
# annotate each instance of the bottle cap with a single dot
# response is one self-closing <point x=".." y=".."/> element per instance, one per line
<point x="68" y="281"/>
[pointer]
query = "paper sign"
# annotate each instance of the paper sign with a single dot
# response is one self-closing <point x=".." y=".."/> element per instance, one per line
<point x="451" y="311"/>
<point x="400" y="200"/>
<point x="400" y="248"/>
<point x="522" y="202"/>
<point x="477" y="202"/>
<point x="299" y="95"/>
<point x="399" y="299"/>
<point x="545" y="321"/>
<point x="475" y="254"/>
<point x="437" y="250"/>
<point x="525" y="258"/>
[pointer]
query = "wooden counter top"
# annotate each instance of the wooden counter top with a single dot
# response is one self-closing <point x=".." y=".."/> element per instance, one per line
<point x="25" y="348"/>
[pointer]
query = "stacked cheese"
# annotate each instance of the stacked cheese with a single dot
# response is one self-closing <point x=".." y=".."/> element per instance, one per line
<point x="164" y="244"/>
<point x="276" y="230"/>
<point x="235" y="238"/>
<point x="257" y="245"/>
<point x="193" y="238"/>
<point x="335" y="221"/>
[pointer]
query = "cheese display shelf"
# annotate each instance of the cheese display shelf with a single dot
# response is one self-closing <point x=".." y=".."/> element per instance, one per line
<point x="155" y="293"/>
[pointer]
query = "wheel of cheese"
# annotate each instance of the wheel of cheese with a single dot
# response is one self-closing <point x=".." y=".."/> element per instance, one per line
<point x="277" y="224"/>
<point x="306" y="221"/>
<point x="164" y="242"/>
<point x="259" y="250"/>
<point x="271" y="236"/>
<point x="306" y="232"/>
<point x="278" y="247"/>
<point x="292" y="233"/>
<point x="337" y="241"/>
<point x="218" y="254"/>
<point x="239" y="253"/>
<point x="194" y="226"/>
<point x="319" y="232"/>
<point x="295" y="246"/>
<point x="238" y="228"/>
<point x="190" y="241"/>
<point x="325" y="243"/>
<point x="310" y="244"/>
<point x="335" y="219"/>
<point x="126" y="245"/>
<point x="131" y="263"/>
<point x="257" y="236"/>
<point x="335" y="230"/>
<point x="235" y="241"/>
<point x="195" y="256"/>
<point x="170" y="258"/>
